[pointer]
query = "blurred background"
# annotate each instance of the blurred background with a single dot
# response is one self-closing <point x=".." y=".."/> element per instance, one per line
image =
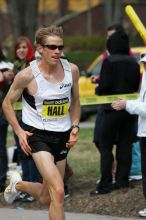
<point x="84" y="23"/>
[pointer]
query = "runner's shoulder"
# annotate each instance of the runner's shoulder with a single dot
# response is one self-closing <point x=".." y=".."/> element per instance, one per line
<point x="75" y="70"/>
<point x="25" y="75"/>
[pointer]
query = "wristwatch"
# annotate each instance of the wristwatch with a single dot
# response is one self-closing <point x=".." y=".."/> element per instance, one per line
<point x="75" y="126"/>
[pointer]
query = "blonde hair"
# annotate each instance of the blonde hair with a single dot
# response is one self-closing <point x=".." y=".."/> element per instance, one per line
<point x="44" y="32"/>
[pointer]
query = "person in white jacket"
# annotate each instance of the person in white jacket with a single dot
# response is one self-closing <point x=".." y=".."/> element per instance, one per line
<point x="138" y="107"/>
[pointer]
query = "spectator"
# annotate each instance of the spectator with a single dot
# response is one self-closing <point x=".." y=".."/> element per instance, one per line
<point x="110" y="30"/>
<point x="126" y="81"/>
<point x="100" y="111"/>
<point x="135" y="172"/>
<point x="6" y="77"/>
<point x="138" y="107"/>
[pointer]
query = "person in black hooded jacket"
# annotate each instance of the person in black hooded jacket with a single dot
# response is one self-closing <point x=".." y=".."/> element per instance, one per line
<point x="120" y="74"/>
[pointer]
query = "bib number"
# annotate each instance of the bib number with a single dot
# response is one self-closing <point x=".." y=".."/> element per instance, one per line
<point x="55" y="108"/>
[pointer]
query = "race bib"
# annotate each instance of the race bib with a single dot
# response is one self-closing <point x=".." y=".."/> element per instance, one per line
<point x="55" y="108"/>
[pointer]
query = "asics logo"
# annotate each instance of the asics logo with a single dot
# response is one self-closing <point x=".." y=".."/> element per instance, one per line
<point x="65" y="85"/>
<point x="63" y="152"/>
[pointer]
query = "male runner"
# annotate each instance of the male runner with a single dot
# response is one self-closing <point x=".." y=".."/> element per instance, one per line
<point x="50" y="115"/>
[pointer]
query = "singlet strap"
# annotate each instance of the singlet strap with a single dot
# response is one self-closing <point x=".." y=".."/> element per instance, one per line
<point x="65" y="64"/>
<point x="35" y="69"/>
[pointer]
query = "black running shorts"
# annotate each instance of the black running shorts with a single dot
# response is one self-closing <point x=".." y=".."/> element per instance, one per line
<point x="50" y="141"/>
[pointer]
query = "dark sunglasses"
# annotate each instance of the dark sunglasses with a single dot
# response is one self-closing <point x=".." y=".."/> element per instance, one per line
<point x="143" y="55"/>
<point x="54" y="47"/>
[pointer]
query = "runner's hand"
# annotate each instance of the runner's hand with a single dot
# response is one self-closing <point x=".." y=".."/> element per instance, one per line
<point x="23" y="136"/>
<point x="73" y="138"/>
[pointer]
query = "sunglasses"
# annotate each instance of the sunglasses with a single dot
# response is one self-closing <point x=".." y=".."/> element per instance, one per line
<point x="54" y="47"/>
<point x="143" y="55"/>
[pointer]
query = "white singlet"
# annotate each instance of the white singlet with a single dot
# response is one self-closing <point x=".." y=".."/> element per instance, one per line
<point x="49" y="108"/>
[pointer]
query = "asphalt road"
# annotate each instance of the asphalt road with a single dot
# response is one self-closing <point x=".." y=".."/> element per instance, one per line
<point x="23" y="214"/>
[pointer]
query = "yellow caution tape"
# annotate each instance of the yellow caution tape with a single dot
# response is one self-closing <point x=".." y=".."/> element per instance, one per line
<point x="95" y="100"/>
<point x="17" y="106"/>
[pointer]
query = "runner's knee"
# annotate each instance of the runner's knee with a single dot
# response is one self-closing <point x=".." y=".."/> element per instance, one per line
<point x="58" y="195"/>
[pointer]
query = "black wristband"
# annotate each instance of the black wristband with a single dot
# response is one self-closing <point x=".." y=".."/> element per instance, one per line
<point x="75" y="126"/>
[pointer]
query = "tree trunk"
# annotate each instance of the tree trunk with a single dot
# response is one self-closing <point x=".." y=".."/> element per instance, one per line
<point x="117" y="12"/>
<point x="108" y="12"/>
<point x="23" y="16"/>
<point x="113" y="13"/>
<point x="63" y="7"/>
<point x="89" y="18"/>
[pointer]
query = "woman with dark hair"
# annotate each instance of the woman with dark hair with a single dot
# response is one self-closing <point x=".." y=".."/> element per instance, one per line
<point x="24" y="53"/>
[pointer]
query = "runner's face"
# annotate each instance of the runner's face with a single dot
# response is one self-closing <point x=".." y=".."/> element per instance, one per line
<point x="22" y="50"/>
<point x="52" y="53"/>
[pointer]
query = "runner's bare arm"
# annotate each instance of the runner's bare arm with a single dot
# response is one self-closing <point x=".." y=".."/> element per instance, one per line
<point x="75" y="106"/>
<point x="75" y="102"/>
<point x="20" y="82"/>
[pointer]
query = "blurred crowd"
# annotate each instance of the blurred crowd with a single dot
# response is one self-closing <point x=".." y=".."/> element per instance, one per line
<point x="120" y="125"/>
